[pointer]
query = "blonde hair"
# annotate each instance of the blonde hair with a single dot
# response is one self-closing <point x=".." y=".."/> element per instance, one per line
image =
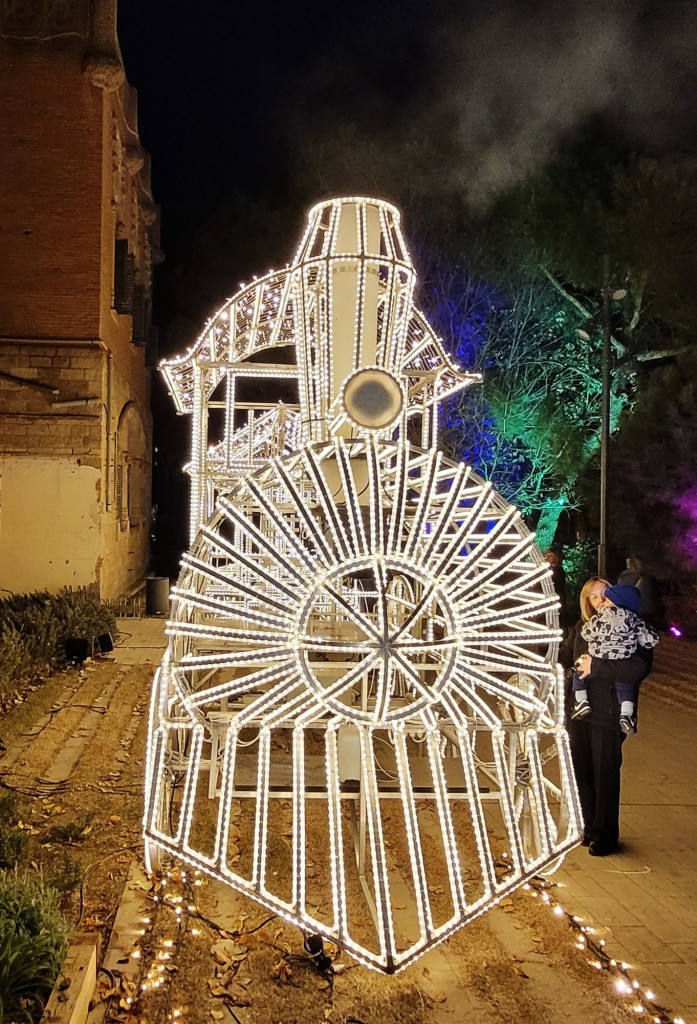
<point x="587" y="609"/>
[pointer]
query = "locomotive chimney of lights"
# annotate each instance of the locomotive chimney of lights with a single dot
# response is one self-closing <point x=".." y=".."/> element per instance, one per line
<point x="357" y="284"/>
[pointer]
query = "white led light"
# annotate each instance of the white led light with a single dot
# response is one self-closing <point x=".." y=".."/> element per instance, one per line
<point x="359" y="624"/>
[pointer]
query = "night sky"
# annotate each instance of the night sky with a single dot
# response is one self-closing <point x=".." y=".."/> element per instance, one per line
<point x="231" y="93"/>
<point x="238" y="101"/>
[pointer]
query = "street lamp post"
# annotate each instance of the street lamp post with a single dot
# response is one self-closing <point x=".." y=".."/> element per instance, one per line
<point x="609" y="296"/>
<point x="604" y="427"/>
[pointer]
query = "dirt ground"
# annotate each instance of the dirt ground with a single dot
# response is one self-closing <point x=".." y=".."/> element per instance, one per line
<point x="75" y="752"/>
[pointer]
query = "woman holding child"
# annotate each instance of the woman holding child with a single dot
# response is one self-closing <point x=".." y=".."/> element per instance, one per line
<point x="596" y="736"/>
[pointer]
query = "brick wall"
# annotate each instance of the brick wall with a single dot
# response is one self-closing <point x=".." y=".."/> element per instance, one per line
<point x="72" y="178"/>
<point x="50" y="195"/>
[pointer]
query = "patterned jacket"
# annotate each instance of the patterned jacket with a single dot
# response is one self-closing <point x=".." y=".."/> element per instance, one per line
<point x="614" y="633"/>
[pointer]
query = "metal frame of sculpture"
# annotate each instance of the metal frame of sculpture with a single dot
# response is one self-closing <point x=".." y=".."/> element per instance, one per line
<point x="361" y="671"/>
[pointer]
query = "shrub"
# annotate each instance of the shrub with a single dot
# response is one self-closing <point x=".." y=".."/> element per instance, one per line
<point x="69" y="831"/>
<point x="8" y="807"/>
<point x="13" y="842"/>
<point x="13" y="846"/>
<point x="67" y="876"/>
<point x="34" y="628"/>
<point x="33" y="943"/>
<point x="580" y="563"/>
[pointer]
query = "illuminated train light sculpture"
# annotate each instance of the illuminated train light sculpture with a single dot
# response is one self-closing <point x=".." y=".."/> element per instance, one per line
<point x="358" y="721"/>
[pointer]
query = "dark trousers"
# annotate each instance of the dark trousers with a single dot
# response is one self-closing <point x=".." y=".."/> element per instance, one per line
<point x="625" y="691"/>
<point x="596" y="751"/>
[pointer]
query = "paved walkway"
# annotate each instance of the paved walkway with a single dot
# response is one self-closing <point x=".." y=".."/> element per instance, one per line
<point x="640" y="900"/>
<point x="140" y="640"/>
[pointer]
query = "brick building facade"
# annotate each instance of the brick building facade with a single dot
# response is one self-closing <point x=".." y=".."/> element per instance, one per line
<point x="78" y="238"/>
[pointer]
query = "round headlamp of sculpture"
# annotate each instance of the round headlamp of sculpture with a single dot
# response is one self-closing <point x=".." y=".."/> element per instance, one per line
<point x="372" y="399"/>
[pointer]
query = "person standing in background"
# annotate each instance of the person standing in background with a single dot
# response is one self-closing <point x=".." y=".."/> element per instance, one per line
<point x="634" y="576"/>
<point x="558" y="582"/>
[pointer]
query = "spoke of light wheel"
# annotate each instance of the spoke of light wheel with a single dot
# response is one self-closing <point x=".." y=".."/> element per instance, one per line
<point x="462" y="688"/>
<point x="534" y="633"/>
<point x="517" y="589"/>
<point x="241" y="558"/>
<point x="382" y="598"/>
<point x="322" y="553"/>
<point x="227" y="609"/>
<point x="237" y="687"/>
<point x="341" y="541"/>
<point x="377" y="524"/>
<point x="236" y="659"/>
<point x="422" y="506"/>
<point x="258" y="538"/>
<point x="519" y="610"/>
<point x="443" y="560"/>
<point x="266" y="701"/>
<point x="304" y="513"/>
<point x="209" y="572"/>
<point x="443" y="520"/>
<point x="417" y="610"/>
<point x="335" y="689"/>
<point x="491" y="576"/>
<point x="411" y="674"/>
<point x="497" y="567"/>
<point x="498" y="688"/>
<point x="454" y="568"/>
<point x="227" y="635"/>
<point x="516" y="664"/>
<point x="399" y="499"/>
<point x="303" y="707"/>
<point x="357" y="539"/>
<point x="356" y="616"/>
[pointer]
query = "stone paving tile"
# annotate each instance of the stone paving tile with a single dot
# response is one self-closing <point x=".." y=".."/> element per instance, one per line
<point x="609" y="912"/>
<point x="645" y="944"/>
<point x="674" y="865"/>
<point x="652" y="988"/>
<point x="687" y="951"/>
<point x="579" y="877"/>
<point x="667" y="918"/>
<point x="677" y="982"/>
<point x="141" y="641"/>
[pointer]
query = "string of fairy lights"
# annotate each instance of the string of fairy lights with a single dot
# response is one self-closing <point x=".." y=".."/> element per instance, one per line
<point x="642" y="998"/>
<point x="158" y="943"/>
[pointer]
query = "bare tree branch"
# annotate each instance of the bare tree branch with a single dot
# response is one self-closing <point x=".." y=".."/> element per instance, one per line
<point x="567" y="295"/>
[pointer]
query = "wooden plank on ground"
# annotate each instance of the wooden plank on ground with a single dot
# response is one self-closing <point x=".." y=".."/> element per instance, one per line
<point x="69" y="1002"/>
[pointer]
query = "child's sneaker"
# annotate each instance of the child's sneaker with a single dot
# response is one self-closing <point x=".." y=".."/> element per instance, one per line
<point x="627" y="724"/>
<point x="582" y="709"/>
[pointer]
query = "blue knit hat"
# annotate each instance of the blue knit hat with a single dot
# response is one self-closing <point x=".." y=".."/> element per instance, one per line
<point x="625" y="597"/>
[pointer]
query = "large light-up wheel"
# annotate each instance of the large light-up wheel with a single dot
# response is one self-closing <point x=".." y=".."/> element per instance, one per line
<point x="391" y="603"/>
<point x="359" y="572"/>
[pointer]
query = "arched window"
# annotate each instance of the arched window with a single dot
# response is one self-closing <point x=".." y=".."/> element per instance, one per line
<point x="132" y="470"/>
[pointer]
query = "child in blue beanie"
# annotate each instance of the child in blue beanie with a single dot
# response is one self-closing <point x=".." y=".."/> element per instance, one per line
<point x="614" y="633"/>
